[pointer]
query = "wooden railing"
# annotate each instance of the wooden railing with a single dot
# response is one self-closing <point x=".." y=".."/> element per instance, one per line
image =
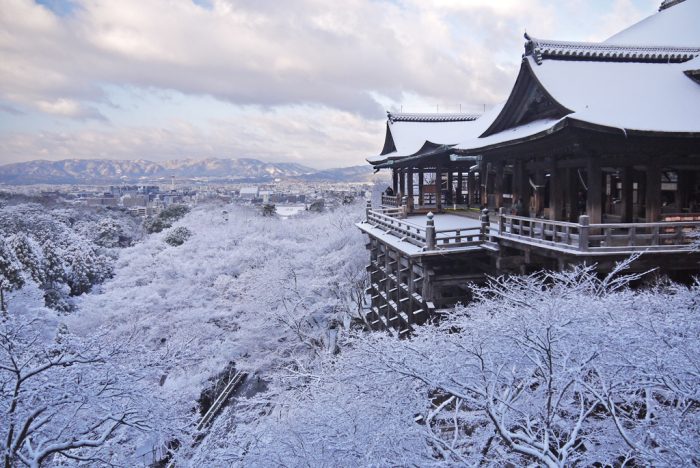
<point x="643" y="236"/>
<point x="540" y="231"/>
<point x="581" y="238"/>
<point x="428" y="238"/>
<point x="387" y="221"/>
<point x="610" y="237"/>
<point x="391" y="200"/>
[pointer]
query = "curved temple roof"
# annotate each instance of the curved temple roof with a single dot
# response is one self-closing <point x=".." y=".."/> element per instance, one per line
<point x="645" y="78"/>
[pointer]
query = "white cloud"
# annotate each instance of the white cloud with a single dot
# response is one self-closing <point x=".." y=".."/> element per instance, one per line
<point x="280" y="56"/>
<point x="318" y="136"/>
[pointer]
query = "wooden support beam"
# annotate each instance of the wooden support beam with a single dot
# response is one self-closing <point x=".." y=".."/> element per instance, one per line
<point x="522" y="183"/>
<point x="420" y="187"/>
<point x="402" y="182"/>
<point x="395" y="181"/>
<point x="498" y="186"/>
<point x="448" y="195"/>
<point x="438" y="188"/>
<point x="594" y="197"/>
<point x="539" y="191"/>
<point x="556" y="192"/>
<point x="627" y="194"/>
<point x="471" y="186"/>
<point x="653" y="192"/>
<point x="460" y="183"/>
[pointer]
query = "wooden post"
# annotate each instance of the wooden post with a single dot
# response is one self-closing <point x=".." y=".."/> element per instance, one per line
<point x="460" y="183"/>
<point x="368" y="209"/>
<point x="402" y="182"/>
<point x="653" y="192"/>
<point x="583" y="231"/>
<point x="395" y="181"/>
<point x="471" y="182"/>
<point x="539" y="191"/>
<point x="485" y="224"/>
<point x="448" y="195"/>
<point x="404" y="206"/>
<point x="501" y="221"/>
<point x="594" y="199"/>
<point x="556" y="192"/>
<point x="438" y="189"/>
<point x="573" y="190"/>
<point x="498" y="186"/>
<point x="627" y="192"/>
<point x="523" y="188"/>
<point x="420" y="187"/>
<point x="410" y="189"/>
<point x="430" y="233"/>
<point x="484" y="183"/>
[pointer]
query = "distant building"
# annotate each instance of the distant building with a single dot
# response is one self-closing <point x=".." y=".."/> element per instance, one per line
<point x="248" y="193"/>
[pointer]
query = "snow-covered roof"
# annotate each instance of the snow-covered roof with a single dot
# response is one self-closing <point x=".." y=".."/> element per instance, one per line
<point x="676" y="25"/>
<point x="408" y="133"/>
<point x="645" y="78"/>
<point x="637" y="96"/>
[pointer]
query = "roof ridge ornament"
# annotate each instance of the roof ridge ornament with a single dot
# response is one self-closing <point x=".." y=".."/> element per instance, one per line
<point x="541" y="49"/>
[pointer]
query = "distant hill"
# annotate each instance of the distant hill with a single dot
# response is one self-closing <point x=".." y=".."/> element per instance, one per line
<point x="100" y="171"/>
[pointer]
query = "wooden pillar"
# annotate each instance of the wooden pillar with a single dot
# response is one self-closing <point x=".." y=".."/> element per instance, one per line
<point x="594" y="198"/>
<point x="627" y="194"/>
<point x="460" y="183"/>
<point x="449" y="197"/>
<point x="575" y="195"/>
<point x="483" y="183"/>
<point x="409" y="178"/>
<point x="540" y="181"/>
<point x="420" y="187"/>
<point x="522" y="182"/>
<point x="471" y="185"/>
<point x="653" y="192"/>
<point x="395" y="181"/>
<point x="556" y="192"/>
<point x="498" y="185"/>
<point x="438" y="188"/>
<point x="402" y="182"/>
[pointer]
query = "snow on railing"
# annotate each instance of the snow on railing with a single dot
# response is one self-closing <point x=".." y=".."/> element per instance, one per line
<point x="622" y="238"/>
<point x="428" y="238"/>
<point x="581" y="237"/>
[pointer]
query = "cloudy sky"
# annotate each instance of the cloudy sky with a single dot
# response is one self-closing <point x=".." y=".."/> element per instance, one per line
<point x="286" y="80"/>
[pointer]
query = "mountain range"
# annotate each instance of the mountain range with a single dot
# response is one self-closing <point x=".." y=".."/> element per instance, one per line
<point x="100" y="171"/>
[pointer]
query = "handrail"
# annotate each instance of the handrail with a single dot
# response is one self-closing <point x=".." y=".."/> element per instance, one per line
<point x="583" y="237"/>
<point x="599" y="237"/>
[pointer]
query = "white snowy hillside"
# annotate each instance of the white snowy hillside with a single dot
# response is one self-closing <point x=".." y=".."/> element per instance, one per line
<point x="562" y="369"/>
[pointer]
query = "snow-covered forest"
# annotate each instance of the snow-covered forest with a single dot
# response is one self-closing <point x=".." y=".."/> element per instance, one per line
<point x="114" y="341"/>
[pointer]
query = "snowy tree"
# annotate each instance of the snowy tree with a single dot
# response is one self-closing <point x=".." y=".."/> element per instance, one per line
<point x="62" y="397"/>
<point x="10" y="273"/>
<point x="553" y="369"/>
<point x="177" y="236"/>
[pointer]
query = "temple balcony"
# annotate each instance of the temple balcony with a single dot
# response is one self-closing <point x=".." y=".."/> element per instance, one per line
<point x="420" y="235"/>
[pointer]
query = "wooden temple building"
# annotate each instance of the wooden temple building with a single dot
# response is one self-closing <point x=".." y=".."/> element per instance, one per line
<point x="594" y="155"/>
